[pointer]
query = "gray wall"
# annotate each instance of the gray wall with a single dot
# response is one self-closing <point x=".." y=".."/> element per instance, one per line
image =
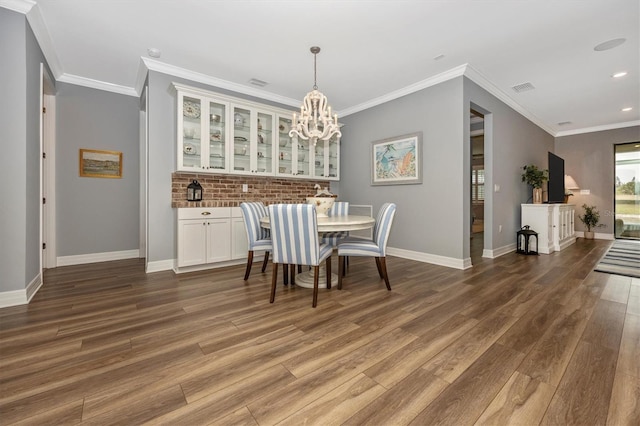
<point x="162" y="160"/>
<point x="589" y="159"/>
<point x="20" y="168"/>
<point x="511" y="141"/>
<point x="96" y="215"/>
<point x="430" y="216"/>
<point x="13" y="107"/>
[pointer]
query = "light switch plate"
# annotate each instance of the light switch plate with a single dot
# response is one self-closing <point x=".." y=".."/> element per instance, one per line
<point x="585" y="191"/>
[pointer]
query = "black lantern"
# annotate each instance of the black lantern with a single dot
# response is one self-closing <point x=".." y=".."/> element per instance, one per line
<point x="194" y="191"/>
<point x="524" y="244"/>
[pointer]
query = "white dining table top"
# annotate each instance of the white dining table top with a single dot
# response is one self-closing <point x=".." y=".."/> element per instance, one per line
<point x="336" y="223"/>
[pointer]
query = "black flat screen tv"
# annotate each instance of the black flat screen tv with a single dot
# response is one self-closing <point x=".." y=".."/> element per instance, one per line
<point x="555" y="187"/>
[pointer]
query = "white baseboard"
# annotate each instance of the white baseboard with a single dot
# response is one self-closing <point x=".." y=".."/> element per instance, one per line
<point x="216" y="265"/>
<point x="81" y="259"/>
<point x="160" y="265"/>
<point x="21" y="297"/>
<point x="449" y="262"/>
<point x="500" y="251"/>
<point x="597" y="236"/>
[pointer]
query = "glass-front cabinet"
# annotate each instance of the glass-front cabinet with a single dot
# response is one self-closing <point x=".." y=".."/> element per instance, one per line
<point x="221" y="134"/>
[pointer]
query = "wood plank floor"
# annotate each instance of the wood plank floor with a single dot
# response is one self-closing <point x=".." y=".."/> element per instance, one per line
<point x="522" y="340"/>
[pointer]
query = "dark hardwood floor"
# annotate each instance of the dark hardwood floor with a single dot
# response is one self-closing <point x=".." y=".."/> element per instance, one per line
<point x="522" y="340"/>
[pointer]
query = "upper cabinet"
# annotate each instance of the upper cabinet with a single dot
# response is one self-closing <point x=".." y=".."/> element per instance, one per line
<point x="221" y="134"/>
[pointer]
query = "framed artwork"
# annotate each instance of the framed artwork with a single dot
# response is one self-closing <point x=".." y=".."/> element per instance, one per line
<point x="101" y="164"/>
<point x="397" y="161"/>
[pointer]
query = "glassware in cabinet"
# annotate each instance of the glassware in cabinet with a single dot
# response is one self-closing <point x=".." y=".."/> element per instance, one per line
<point x="265" y="144"/>
<point x="241" y="144"/>
<point x="191" y="132"/>
<point x="285" y="150"/>
<point x="217" y="136"/>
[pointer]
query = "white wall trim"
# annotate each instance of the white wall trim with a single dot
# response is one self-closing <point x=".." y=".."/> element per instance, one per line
<point x="432" y="81"/>
<point x="216" y="265"/>
<point x="162" y="67"/>
<point x="500" y="251"/>
<point x="96" y="84"/>
<point x="435" y="259"/>
<point x="81" y="259"/>
<point x="21" y="297"/>
<point x="596" y="236"/>
<point x="598" y="128"/>
<point x="20" y="6"/>
<point x="160" y="265"/>
<point x="41" y="32"/>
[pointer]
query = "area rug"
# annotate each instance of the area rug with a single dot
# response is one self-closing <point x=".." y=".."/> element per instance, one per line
<point x="623" y="258"/>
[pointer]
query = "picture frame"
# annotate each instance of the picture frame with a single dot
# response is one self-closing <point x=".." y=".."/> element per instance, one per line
<point x="100" y="164"/>
<point x="397" y="160"/>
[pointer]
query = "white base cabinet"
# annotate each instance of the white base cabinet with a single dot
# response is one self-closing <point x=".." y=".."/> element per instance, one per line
<point x="210" y="237"/>
<point x="554" y="223"/>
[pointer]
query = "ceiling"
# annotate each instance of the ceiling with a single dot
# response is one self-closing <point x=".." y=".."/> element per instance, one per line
<point x="372" y="51"/>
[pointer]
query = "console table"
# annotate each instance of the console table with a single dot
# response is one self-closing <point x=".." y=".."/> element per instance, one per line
<point x="554" y="223"/>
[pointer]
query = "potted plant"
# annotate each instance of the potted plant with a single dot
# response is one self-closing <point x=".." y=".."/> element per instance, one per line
<point x="535" y="177"/>
<point x="590" y="219"/>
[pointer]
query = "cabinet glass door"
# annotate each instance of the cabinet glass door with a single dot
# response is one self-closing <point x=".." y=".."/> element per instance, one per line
<point x="285" y="147"/>
<point x="303" y="157"/>
<point x="191" y="132"/>
<point x="217" y="136"/>
<point x="241" y="159"/>
<point x="333" y="158"/>
<point x="264" y="150"/>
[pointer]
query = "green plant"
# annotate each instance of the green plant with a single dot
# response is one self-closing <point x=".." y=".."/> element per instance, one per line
<point x="534" y="176"/>
<point x="590" y="218"/>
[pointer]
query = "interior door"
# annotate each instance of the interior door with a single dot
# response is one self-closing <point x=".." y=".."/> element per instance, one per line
<point x="627" y="191"/>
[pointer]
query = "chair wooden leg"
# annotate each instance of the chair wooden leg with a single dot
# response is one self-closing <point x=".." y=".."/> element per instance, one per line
<point x="383" y="266"/>
<point x="249" y="262"/>
<point x="328" y="270"/>
<point x="316" y="272"/>
<point x="265" y="261"/>
<point x="340" y="271"/>
<point x="285" y="273"/>
<point x="299" y="269"/>
<point x="379" y="267"/>
<point x="292" y="272"/>
<point x="274" y="279"/>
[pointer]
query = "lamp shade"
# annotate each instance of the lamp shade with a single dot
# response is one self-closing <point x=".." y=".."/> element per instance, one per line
<point x="570" y="183"/>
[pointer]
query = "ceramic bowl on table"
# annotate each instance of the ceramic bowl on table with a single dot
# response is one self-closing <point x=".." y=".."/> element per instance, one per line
<point x="323" y="204"/>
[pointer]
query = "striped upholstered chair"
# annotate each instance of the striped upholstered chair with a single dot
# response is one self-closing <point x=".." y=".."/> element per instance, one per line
<point x="257" y="236"/>
<point x="294" y="232"/>
<point x="375" y="247"/>
<point x="339" y="208"/>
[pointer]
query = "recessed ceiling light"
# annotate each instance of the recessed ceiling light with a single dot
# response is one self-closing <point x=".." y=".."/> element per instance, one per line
<point x="153" y="52"/>
<point x="626" y="109"/>
<point x="619" y="74"/>
<point x="609" y="44"/>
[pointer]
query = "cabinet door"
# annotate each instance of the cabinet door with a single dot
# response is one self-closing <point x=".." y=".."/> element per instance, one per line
<point x="241" y="143"/>
<point x="239" y="243"/>
<point x="218" y="136"/>
<point x="285" y="166"/>
<point x="190" y="147"/>
<point x="192" y="242"/>
<point x="333" y="159"/>
<point x="265" y="147"/>
<point x="302" y="157"/>
<point x="218" y="240"/>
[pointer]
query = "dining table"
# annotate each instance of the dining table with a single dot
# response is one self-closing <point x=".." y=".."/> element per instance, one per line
<point x="343" y="223"/>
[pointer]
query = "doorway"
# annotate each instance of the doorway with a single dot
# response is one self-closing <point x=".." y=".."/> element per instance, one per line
<point x="47" y="171"/>
<point x="477" y="183"/>
<point x="627" y="191"/>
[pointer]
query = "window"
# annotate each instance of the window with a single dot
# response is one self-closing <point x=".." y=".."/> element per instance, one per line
<point x="477" y="185"/>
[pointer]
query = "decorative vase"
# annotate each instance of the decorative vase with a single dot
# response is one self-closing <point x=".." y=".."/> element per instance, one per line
<point x="537" y="195"/>
<point x="588" y="235"/>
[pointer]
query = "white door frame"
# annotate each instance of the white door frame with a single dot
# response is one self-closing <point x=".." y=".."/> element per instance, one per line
<point x="47" y="170"/>
<point x="144" y="191"/>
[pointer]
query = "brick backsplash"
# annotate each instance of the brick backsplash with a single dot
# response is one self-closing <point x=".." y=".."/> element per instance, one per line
<point x="226" y="190"/>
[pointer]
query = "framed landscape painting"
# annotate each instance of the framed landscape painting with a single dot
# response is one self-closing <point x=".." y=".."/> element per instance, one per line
<point x="397" y="161"/>
<point x="101" y="164"/>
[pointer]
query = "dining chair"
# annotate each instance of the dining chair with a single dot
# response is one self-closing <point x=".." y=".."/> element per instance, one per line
<point x="339" y="208"/>
<point x="375" y="247"/>
<point x="294" y="233"/>
<point x="257" y="236"/>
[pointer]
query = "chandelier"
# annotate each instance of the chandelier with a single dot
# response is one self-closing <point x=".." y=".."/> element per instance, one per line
<point x="315" y="121"/>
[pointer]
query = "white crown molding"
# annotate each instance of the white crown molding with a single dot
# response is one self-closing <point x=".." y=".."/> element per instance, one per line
<point x="473" y="75"/>
<point x="41" y="32"/>
<point x="97" y="84"/>
<point x="175" y="71"/>
<point x="20" y="6"/>
<point x="432" y="81"/>
<point x="598" y="128"/>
